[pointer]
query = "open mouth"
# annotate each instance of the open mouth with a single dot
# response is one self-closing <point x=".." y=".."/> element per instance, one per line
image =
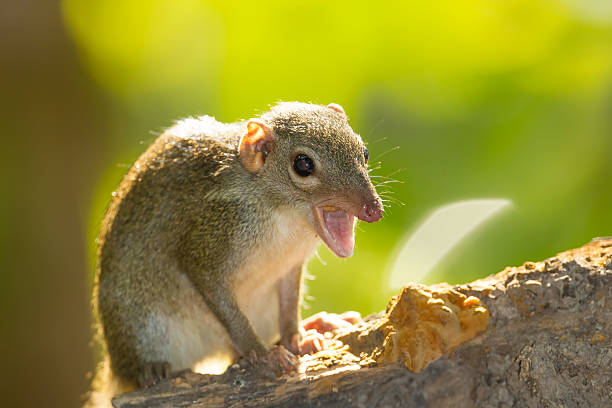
<point x="337" y="229"/>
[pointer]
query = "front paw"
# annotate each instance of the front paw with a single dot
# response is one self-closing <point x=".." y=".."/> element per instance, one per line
<point x="305" y="342"/>
<point x="312" y="342"/>
<point x="324" y="322"/>
<point x="278" y="361"/>
<point x="292" y="343"/>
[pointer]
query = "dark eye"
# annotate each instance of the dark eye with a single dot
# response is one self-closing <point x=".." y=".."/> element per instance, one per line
<point x="303" y="165"/>
<point x="366" y="154"/>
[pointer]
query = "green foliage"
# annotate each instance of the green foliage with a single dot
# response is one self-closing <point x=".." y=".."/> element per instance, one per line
<point x="484" y="99"/>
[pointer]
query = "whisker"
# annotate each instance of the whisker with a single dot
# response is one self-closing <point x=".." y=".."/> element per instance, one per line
<point x="388" y="151"/>
<point x="386" y="188"/>
<point x="388" y="196"/>
<point x="377" y="124"/>
<point x="387" y="178"/>
<point x="320" y="260"/>
<point x="393" y="200"/>
<point x="395" y="172"/>
<point x="382" y="183"/>
<point x="385" y="193"/>
<point x="382" y="139"/>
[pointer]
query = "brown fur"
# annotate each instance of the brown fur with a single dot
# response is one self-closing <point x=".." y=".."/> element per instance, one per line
<point x="196" y="253"/>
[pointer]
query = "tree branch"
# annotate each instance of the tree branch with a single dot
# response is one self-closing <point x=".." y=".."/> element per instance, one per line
<point x="547" y="343"/>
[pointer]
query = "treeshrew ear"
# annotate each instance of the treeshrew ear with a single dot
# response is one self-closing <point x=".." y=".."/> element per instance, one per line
<point x="337" y="108"/>
<point x="255" y="145"/>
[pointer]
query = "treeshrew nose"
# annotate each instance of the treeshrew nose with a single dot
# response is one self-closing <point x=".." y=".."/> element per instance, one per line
<point x="371" y="212"/>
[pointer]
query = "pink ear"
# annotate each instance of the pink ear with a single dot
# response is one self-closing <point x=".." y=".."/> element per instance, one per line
<point x="337" y="108"/>
<point x="255" y="145"/>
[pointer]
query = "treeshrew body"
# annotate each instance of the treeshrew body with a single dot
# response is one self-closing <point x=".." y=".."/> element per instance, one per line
<point x="202" y="249"/>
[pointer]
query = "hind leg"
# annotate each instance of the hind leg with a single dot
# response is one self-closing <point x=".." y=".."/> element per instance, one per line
<point x="136" y="332"/>
<point x="138" y="349"/>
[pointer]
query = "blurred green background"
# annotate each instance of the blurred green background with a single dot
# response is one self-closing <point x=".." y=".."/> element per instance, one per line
<point x="457" y="100"/>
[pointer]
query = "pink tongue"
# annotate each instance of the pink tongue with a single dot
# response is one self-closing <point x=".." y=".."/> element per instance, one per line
<point x="340" y="228"/>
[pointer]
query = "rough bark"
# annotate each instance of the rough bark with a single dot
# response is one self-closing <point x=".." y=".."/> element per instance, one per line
<point x="547" y="344"/>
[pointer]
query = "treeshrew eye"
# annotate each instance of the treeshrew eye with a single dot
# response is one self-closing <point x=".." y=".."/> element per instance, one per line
<point x="366" y="154"/>
<point x="303" y="165"/>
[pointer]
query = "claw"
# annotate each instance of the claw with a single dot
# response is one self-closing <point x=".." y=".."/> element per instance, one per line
<point x="152" y="373"/>
<point x="278" y="360"/>
<point x="312" y="342"/>
<point x="293" y="344"/>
